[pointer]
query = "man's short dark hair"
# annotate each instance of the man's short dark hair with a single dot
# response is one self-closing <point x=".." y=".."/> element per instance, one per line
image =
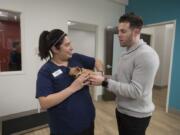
<point x="134" y="20"/>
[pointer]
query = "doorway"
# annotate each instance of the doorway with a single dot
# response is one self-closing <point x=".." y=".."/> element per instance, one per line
<point x="83" y="37"/>
<point x="162" y="40"/>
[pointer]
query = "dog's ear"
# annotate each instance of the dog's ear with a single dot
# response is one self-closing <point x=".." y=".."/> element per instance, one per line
<point x="75" y="71"/>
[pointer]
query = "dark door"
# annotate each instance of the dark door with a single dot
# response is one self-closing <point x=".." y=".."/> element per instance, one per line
<point x="109" y="39"/>
<point x="146" y="38"/>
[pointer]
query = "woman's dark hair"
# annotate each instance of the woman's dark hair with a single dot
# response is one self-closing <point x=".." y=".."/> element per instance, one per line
<point x="134" y="20"/>
<point x="48" y="39"/>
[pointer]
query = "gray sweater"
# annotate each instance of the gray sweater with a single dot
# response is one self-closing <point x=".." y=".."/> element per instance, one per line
<point x="133" y="82"/>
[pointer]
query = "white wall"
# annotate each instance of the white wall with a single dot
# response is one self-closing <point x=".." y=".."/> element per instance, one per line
<point x="83" y="41"/>
<point x="17" y="90"/>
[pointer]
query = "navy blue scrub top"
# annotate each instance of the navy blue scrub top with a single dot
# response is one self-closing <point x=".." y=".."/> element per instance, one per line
<point x="77" y="112"/>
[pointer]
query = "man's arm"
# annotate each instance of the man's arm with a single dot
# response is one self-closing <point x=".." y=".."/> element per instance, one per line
<point x="142" y="81"/>
<point x="142" y="78"/>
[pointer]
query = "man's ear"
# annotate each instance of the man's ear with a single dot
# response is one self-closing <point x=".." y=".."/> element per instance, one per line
<point x="137" y="31"/>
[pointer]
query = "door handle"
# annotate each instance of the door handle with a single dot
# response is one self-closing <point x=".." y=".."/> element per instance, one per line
<point x="108" y="66"/>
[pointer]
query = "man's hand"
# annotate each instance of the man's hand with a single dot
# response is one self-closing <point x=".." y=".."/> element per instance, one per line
<point x="96" y="79"/>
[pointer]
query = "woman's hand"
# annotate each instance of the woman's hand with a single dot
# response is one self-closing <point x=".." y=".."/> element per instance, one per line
<point x="80" y="82"/>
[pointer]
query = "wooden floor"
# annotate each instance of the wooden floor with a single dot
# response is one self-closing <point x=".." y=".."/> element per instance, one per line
<point x="159" y="97"/>
<point x="105" y="124"/>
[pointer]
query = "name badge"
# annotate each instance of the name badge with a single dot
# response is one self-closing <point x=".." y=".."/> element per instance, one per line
<point x="57" y="72"/>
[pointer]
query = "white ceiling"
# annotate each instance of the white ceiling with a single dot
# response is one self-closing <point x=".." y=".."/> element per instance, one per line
<point x="81" y="26"/>
<point x="14" y="16"/>
<point x="124" y="2"/>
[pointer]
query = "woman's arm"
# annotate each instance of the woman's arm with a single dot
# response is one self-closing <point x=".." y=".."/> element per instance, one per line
<point x="56" y="98"/>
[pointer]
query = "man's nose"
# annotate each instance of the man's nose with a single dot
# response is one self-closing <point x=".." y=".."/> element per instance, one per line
<point x="119" y="35"/>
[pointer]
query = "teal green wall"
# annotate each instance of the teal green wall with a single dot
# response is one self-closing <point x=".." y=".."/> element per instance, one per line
<point x="154" y="11"/>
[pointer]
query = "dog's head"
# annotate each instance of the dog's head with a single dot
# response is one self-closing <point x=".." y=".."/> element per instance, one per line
<point x="77" y="71"/>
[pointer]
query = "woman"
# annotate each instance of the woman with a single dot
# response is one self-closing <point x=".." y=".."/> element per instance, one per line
<point x="67" y="100"/>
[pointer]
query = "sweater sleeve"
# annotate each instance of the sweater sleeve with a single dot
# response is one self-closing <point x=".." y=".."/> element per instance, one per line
<point x="143" y="75"/>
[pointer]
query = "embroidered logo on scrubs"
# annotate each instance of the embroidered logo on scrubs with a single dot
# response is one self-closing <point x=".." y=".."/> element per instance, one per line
<point x="57" y="72"/>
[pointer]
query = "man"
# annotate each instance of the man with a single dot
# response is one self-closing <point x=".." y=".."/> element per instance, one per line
<point x="15" y="57"/>
<point x="133" y="82"/>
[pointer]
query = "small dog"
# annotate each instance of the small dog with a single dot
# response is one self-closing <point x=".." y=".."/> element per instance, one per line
<point x="77" y="71"/>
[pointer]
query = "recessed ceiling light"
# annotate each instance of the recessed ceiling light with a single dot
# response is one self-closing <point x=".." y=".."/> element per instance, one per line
<point x="4" y="14"/>
<point x="70" y="23"/>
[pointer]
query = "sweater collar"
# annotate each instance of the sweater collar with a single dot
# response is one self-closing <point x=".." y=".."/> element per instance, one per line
<point x="135" y="46"/>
